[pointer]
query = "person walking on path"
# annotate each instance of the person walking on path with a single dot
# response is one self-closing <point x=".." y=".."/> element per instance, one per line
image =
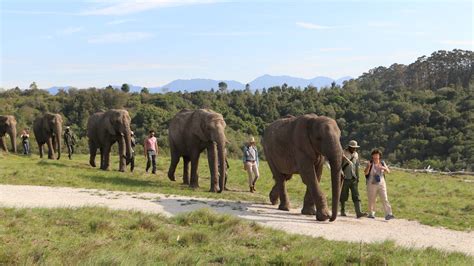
<point x="70" y="141"/>
<point x="25" y="140"/>
<point x="350" y="168"/>
<point x="250" y="160"/>
<point x="375" y="178"/>
<point x="151" y="150"/>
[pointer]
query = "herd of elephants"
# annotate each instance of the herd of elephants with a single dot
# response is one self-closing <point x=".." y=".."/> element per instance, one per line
<point x="292" y="145"/>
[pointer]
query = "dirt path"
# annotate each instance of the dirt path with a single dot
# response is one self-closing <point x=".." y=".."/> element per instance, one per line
<point x="403" y="232"/>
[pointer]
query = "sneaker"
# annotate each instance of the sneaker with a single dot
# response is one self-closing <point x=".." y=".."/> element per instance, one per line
<point x="389" y="217"/>
<point x="371" y="216"/>
<point x="362" y="214"/>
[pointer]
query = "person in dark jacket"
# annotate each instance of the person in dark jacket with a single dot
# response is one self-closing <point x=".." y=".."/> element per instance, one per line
<point x="69" y="141"/>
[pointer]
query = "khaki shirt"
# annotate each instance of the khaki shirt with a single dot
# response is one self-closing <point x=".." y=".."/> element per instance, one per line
<point x="350" y="170"/>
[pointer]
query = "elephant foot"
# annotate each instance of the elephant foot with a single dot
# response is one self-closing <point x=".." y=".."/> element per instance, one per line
<point x="171" y="177"/>
<point x="185" y="182"/>
<point x="322" y="215"/>
<point x="122" y="170"/>
<point x="284" y="207"/>
<point x="308" y="211"/>
<point x="92" y="163"/>
<point x="213" y="190"/>
<point x="193" y="185"/>
<point x="273" y="198"/>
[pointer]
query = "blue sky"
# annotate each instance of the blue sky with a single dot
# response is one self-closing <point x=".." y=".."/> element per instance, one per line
<point x="152" y="42"/>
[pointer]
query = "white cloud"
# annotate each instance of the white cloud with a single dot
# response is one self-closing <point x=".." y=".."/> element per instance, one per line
<point x="119" y="21"/>
<point x="312" y="26"/>
<point x="381" y="24"/>
<point x="121" y="37"/>
<point x="459" y="42"/>
<point x="130" y="7"/>
<point x="70" y="30"/>
<point x="232" y="33"/>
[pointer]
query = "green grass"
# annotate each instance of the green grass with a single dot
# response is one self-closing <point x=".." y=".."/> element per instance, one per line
<point x="431" y="199"/>
<point x="99" y="236"/>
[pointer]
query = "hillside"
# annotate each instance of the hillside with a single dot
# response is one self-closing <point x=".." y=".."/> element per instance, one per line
<point x="420" y="114"/>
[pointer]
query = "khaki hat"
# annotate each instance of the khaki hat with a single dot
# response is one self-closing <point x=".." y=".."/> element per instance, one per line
<point x="353" y="144"/>
<point x="251" y="140"/>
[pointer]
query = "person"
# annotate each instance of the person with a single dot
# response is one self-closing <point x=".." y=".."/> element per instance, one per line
<point x="151" y="150"/>
<point x="350" y="168"/>
<point x="132" y="157"/>
<point x="375" y="178"/>
<point x="70" y="141"/>
<point x="25" y="136"/>
<point x="250" y="160"/>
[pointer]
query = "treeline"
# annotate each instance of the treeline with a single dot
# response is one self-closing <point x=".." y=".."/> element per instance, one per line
<point x="420" y="114"/>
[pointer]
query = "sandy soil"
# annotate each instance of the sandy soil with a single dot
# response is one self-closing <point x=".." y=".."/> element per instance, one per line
<point x="403" y="232"/>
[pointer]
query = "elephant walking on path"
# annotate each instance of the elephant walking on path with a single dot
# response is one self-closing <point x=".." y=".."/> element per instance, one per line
<point x="103" y="130"/>
<point x="48" y="130"/>
<point x="190" y="133"/>
<point x="8" y="126"/>
<point x="300" y="145"/>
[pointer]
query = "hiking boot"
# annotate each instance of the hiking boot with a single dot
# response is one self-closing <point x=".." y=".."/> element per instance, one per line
<point x="371" y="216"/>
<point x="359" y="213"/>
<point x="343" y="209"/>
<point x="389" y="217"/>
<point x="251" y="189"/>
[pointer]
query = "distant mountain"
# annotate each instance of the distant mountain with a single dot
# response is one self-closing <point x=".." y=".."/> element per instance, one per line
<point x="191" y="85"/>
<point x="267" y="81"/>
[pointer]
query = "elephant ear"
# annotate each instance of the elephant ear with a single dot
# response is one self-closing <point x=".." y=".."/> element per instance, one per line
<point x="45" y="123"/>
<point x="109" y="121"/>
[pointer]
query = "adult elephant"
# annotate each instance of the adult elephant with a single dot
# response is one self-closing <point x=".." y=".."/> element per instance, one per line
<point x="48" y="130"/>
<point x="190" y="133"/>
<point x="7" y="126"/>
<point x="300" y="144"/>
<point x="103" y="130"/>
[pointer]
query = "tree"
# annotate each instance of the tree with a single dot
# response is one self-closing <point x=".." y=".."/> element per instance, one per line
<point x="33" y="86"/>
<point x="247" y="87"/>
<point x="145" y="90"/>
<point x="222" y="87"/>
<point x="125" y="88"/>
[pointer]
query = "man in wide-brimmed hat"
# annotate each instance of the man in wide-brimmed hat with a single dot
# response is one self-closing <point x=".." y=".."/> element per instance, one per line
<point x="350" y="168"/>
<point x="69" y="141"/>
<point x="250" y="160"/>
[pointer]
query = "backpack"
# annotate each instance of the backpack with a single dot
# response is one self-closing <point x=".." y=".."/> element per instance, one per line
<point x="371" y="163"/>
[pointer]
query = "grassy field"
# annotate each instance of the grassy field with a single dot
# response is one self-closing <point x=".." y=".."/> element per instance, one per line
<point x="103" y="237"/>
<point x="431" y="199"/>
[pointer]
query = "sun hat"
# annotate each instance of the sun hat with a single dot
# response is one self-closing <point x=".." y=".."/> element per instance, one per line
<point x="353" y="144"/>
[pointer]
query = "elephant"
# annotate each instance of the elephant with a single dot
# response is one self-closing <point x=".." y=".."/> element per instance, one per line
<point x="8" y="126"/>
<point x="48" y="130"/>
<point x="103" y="130"/>
<point x="192" y="131"/>
<point x="300" y="145"/>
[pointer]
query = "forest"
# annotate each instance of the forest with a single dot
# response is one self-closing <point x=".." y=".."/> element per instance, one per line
<point x="419" y="114"/>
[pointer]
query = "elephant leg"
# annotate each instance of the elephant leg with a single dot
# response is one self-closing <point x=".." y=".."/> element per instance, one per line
<point x="194" y="183"/>
<point x="50" y="148"/>
<point x="93" y="153"/>
<point x="274" y="194"/>
<point x="173" y="165"/>
<point x="284" y="199"/>
<point x="186" y="161"/>
<point x="40" y="149"/>
<point x="101" y="150"/>
<point x="308" y="205"/>
<point x="308" y="174"/>
<point x="212" y="161"/>
<point x="106" y="157"/>
<point x="3" y="144"/>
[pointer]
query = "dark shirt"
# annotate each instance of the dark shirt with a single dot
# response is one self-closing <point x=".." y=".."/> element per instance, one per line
<point x="69" y="138"/>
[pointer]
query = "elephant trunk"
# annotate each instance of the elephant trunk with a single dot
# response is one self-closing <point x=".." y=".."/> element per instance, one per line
<point x="221" y="157"/>
<point x="58" y="133"/>
<point x="12" y="134"/>
<point x="128" y="144"/>
<point x="335" y="162"/>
